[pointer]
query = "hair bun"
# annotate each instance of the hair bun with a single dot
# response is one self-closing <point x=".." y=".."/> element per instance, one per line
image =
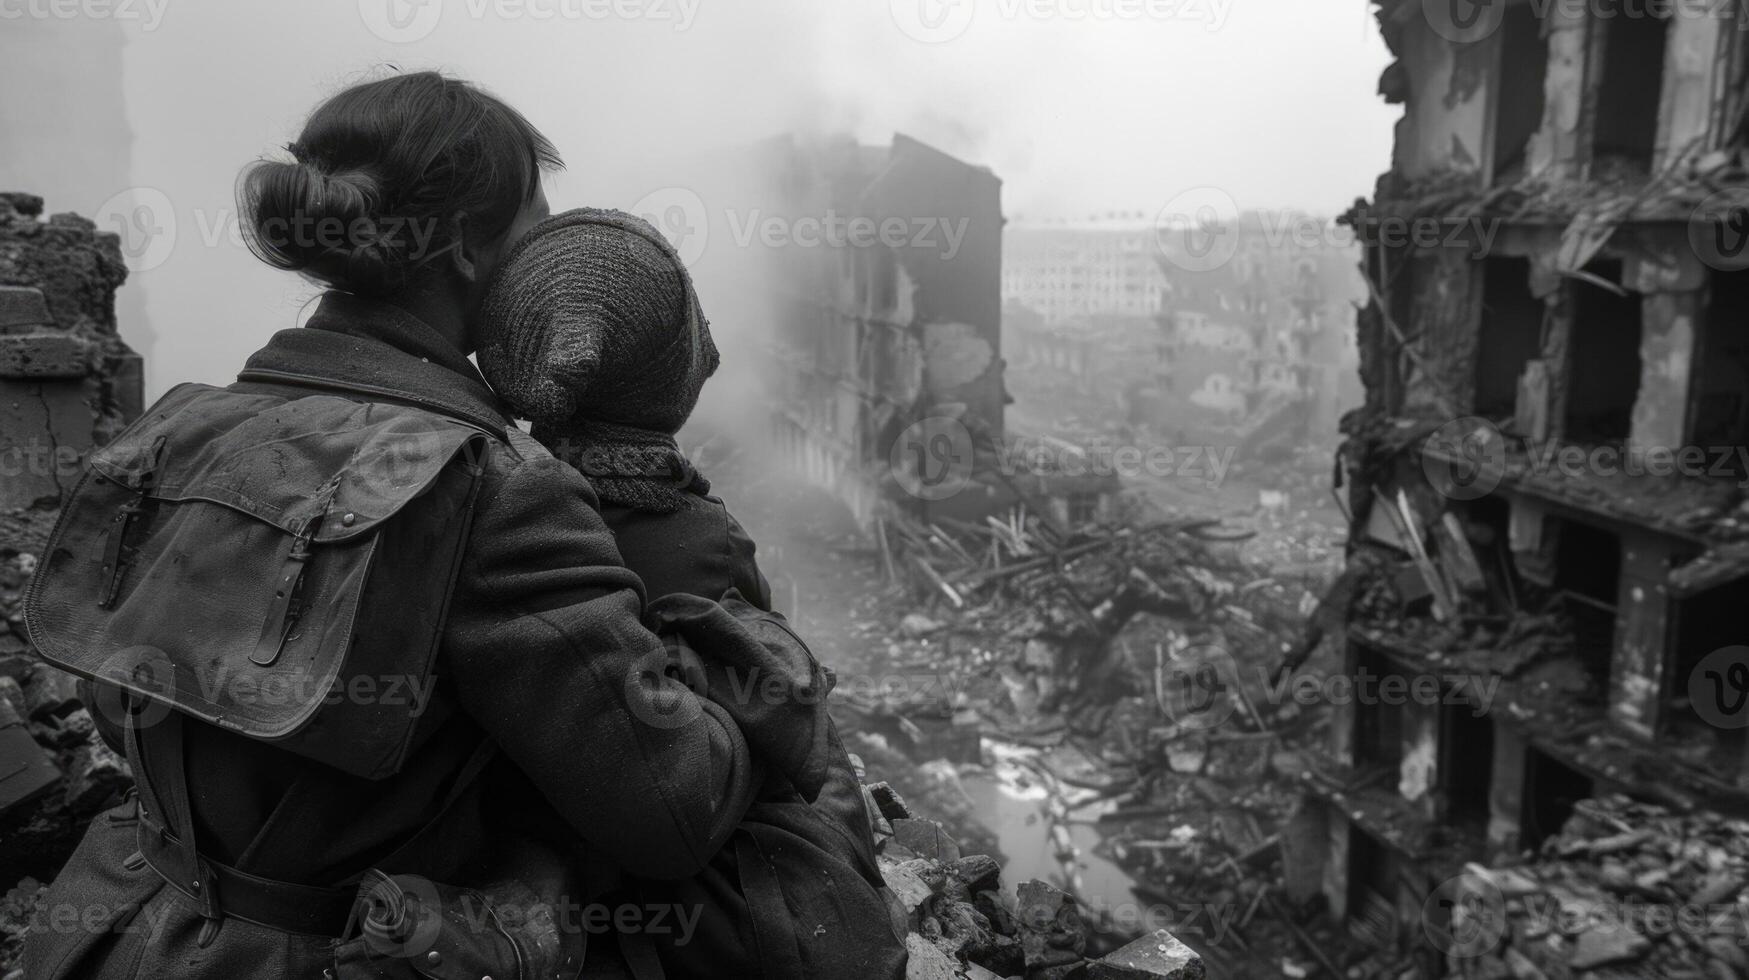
<point x="329" y="226"/>
<point x="379" y="176"/>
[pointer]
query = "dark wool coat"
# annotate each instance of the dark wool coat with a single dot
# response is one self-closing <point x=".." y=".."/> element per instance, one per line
<point x="546" y="625"/>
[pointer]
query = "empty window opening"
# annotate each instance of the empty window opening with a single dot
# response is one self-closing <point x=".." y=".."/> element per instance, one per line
<point x="1604" y="379"/>
<point x="1372" y="884"/>
<point x="1627" y="98"/>
<point x="1705" y="623"/>
<point x="1518" y="112"/>
<point x="1378" y="741"/>
<point x="1721" y="372"/>
<point x="1589" y="563"/>
<point x="1551" y="788"/>
<point x="1466" y="765"/>
<point x="1511" y="334"/>
<point x="1588" y="585"/>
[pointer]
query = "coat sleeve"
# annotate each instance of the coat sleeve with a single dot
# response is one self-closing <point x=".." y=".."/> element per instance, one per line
<point x="548" y="652"/>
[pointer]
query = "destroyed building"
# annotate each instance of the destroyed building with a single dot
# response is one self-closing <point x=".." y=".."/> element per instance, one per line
<point x="1254" y="341"/>
<point x="892" y="320"/>
<point x="1541" y="591"/>
<point x="1068" y="271"/>
<point x="68" y="384"/>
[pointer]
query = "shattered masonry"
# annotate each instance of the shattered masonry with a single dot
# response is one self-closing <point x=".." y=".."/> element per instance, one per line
<point x="67" y="385"/>
<point x="1589" y="298"/>
<point x="869" y="341"/>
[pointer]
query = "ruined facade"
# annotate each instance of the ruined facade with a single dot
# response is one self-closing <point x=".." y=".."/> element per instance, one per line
<point x="1547" y="553"/>
<point x="1071" y="272"/>
<point x="67" y="385"/>
<point x="877" y="330"/>
<point x="1259" y="335"/>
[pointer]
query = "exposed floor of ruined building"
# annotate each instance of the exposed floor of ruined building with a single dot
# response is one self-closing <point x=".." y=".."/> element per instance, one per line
<point x="1113" y="783"/>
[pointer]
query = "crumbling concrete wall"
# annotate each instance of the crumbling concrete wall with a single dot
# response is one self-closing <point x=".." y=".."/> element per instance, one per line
<point x="1444" y="129"/>
<point x="67" y="382"/>
<point x="67" y="385"/>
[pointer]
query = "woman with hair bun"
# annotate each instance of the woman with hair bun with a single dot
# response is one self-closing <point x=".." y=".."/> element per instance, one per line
<point x="350" y="623"/>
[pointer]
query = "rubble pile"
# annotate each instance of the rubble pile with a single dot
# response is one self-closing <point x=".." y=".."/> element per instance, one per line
<point x="1131" y="675"/>
<point x="1626" y="889"/>
<point x="961" y="924"/>
<point x="59" y="774"/>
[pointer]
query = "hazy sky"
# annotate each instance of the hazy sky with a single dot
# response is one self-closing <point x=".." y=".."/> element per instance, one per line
<point x="1080" y="106"/>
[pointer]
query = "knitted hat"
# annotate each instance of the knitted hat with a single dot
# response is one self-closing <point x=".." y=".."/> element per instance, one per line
<point x="592" y="318"/>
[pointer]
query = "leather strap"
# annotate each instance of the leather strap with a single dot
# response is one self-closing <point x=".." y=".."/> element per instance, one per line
<point x="773" y="929"/>
<point x="287" y="589"/>
<point x="166" y="815"/>
<point x="282" y="905"/>
<point x="166" y="841"/>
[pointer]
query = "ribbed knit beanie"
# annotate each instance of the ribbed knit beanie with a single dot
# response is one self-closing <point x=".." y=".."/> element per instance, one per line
<point x="592" y="319"/>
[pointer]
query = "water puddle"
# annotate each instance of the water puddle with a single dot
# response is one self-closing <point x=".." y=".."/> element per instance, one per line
<point x="1041" y="831"/>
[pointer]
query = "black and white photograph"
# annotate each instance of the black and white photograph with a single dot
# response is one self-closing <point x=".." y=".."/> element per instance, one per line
<point x="874" y="489"/>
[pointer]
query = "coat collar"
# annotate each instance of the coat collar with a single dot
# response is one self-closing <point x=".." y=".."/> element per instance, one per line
<point x="377" y="348"/>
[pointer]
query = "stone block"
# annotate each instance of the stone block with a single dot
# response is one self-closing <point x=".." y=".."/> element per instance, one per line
<point x="26" y="771"/>
<point x="46" y="428"/>
<point x="23" y="309"/>
<point x="1159" y="956"/>
<point x="44" y="355"/>
<point x="926" y="839"/>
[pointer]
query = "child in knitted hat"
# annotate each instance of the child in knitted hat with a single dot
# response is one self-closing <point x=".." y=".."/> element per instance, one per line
<point x="592" y="330"/>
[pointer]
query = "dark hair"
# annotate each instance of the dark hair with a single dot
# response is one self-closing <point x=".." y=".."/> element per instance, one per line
<point x="378" y="174"/>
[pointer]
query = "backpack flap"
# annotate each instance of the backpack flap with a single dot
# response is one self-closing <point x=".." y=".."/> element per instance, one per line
<point x="279" y="569"/>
